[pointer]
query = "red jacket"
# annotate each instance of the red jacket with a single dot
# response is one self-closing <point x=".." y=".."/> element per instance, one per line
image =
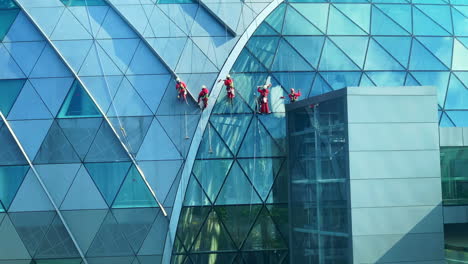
<point x="263" y="92"/>
<point x="180" y="85"/>
<point x="228" y="82"/>
<point x="294" y="96"/>
<point x="203" y="94"/>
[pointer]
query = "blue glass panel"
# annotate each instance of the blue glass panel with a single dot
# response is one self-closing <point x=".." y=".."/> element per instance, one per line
<point x="441" y="47"/>
<point x="246" y="62"/>
<point x="276" y="18"/>
<point x="212" y="181"/>
<point x="410" y="81"/>
<point x="161" y="175"/>
<point x="103" y="88"/>
<point x="459" y="118"/>
<point x="50" y="65"/>
<point x="262" y="173"/>
<point x="31" y="141"/>
<point x="78" y="104"/>
<point x="58" y="178"/>
<point x="265" y="30"/>
<point x="74" y="51"/>
<point x="121" y="51"/>
<point x="180" y="129"/>
<point x="69" y="28"/>
<point x="169" y="49"/>
<point x="10" y="70"/>
<point x="127" y="102"/>
<point x="9" y="91"/>
<point x="309" y="47"/>
<point x="231" y="128"/>
<point x="296" y="24"/>
<point x="157" y="145"/>
<point x="342" y="25"/>
<point x="459" y="22"/>
<point x="98" y="63"/>
<point x="384" y="25"/>
<point x="445" y="121"/>
<point x="114" y="27"/>
<point x="276" y="126"/>
<point x="298" y="80"/>
<point x="46" y="17"/>
<point x="25" y="54"/>
<point x="185" y="11"/>
<point x="388" y="78"/>
<point x="195" y="195"/>
<point x="354" y="47"/>
<point x="22" y="30"/>
<point x="334" y="59"/>
<point x="463" y="77"/>
<point x="440" y="14"/>
<point x="365" y="81"/>
<point x="401" y="14"/>
<point x="134" y="192"/>
<point x="379" y="59"/>
<point x="106" y="147"/>
<point x="11" y="178"/>
<point x="84" y="2"/>
<point x="7" y="4"/>
<point x="146" y="85"/>
<point x="457" y="94"/>
<point x="194" y="60"/>
<point x="212" y="146"/>
<point x="7" y="17"/>
<point x="264" y="49"/>
<point x="437" y="79"/>
<point x="29" y="105"/>
<point x="52" y="91"/>
<point x="145" y="62"/>
<point x="422" y="59"/>
<point x="287" y="59"/>
<point x="339" y="80"/>
<point x="358" y="13"/>
<point x="80" y="132"/>
<point x="423" y="25"/>
<point x="258" y="142"/>
<point x="84" y="225"/>
<point x="317" y="14"/>
<point x="460" y="56"/>
<point x="30" y="196"/>
<point x="320" y="86"/>
<point x="206" y="25"/>
<point x="132" y="130"/>
<point x="11" y="246"/>
<point x="91" y="17"/>
<point x="215" y="48"/>
<point x="398" y="47"/>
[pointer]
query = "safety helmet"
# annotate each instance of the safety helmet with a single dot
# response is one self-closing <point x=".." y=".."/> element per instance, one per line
<point x="265" y="86"/>
<point x="203" y="86"/>
<point x="292" y="89"/>
<point x="228" y="76"/>
<point x="177" y="79"/>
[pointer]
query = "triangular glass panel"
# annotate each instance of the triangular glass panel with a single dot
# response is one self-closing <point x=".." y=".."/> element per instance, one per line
<point x="7" y="16"/>
<point x="276" y="125"/>
<point x="155" y="240"/>
<point x="84" y="224"/>
<point x="216" y="48"/>
<point x="365" y="81"/>
<point x="194" y="60"/>
<point x="186" y="13"/>
<point x="25" y="53"/>
<point x="320" y="86"/>
<point x="398" y="47"/>
<point x="146" y="85"/>
<point x="78" y="104"/>
<point x="180" y="129"/>
<point x="31" y="196"/>
<point x="9" y="91"/>
<point x="333" y="59"/>
<point x="400" y="14"/>
<point x="135" y="224"/>
<point x="296" y="24"/>
<point x="264" y="234"/>
<point x="103" y="88"/>
<point x="49" y="64"/>
<point x="134" y="192"/>
<point x="31" y="142"/>
<point x="114" y="27"/>
<point x="237" y="189"/>
<point x="358" y="13"/>
<point x="29" y="105"/>
<point x="74" y="51"/>
<point x="32" y="232"/>
<point x="279" y="190"/>
<point x="195" y="196"/>
<point x="211" y="182"/>
<point x="262" y="173"/>
<point x="264" y="48"/>
<point x="22" y="30"/>
<point x="56" y="148"/>
<point x="457" y="95"/>
<point x="90" y="17"/>
<point x="83" y="194"/>
<point x="178" y="246"/>
<point x="69" y="28"/>
<point x="276" y="18"/>
<point x="11" y="178"/>
<point x="445" y="121"/>
<point x="265" y="30"/>
<point x="231" y="128"/>
<point x="437" y="79"/>
<point x="127" y="102"/>
<point x="287" y="59"/>
<point x="109" y="240"/>
<point x="384" y="25"/>
<point x="389" y="78"/>
<point x="132" y="130"/>
<point x="213" y="236"/>
<point x="279" y="214"/>
<point x="246" y="62"/>
<point x="238" y="220"/>
<point x="459" y="21"/>
<point x="342" y="25"/>
<point x="11" y="246"/>
<point x="114" y="49"/>
<point x="106" y="147"/>
<point x="170" y="49"/>
<point x="157" y="145"/>
<point x="440" y="14"/>
<point x="212" y="146"/>
<point x="98" y="63"/>
<point x="10" y="70"/>
<point x="460" y="53"/>
<point x="410" y="81"/>
<point x="52" y="91"/>
<point x="57" y="242"/>
<point x="108" y="177"/>
<point x="310" y="47"/>
<point x="354" y="47"/>
<point x="258" y="142"/>
<point x="422" y="59"/>
<point x="463" y="77"/>
<point x="339" y="80"/>
<point x="57" y="178"/>
<point x="459" y="118"/>
<point x="423" y="25"/>
<point x="298" y="80"/>
<point x="316" y="13"/>
<point x="225" y="106"/>
<point x="379" y="59"/>
<point x="80" y="132"/>
<point x="190" y="222"/>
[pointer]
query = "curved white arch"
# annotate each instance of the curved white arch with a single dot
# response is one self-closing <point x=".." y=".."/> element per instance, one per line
<point x="202" y="123"/>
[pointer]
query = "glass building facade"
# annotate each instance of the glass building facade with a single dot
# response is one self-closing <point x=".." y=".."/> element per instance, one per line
<point x="96" y="149"/>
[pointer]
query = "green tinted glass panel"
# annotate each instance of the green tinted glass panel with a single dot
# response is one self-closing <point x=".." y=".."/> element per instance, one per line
<point x="78" y="104"/>
<point x="264" y="234"/>
<point x="190" y="222"/>
<point x="7" y="17"/>
<point x="9" y="90"/>
<point x="454" y="165"/>
<point x="84" y="2"/>
<point x="213" y="236"/>
<point x="134" y="192"/>
<point x="11" y="178"/>
<point x="6" y="4"/>
<point x="57" y="261"/>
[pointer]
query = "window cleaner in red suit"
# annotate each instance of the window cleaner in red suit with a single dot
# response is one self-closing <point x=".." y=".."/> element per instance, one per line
<point x="293" y="95"/>
<point x="229" y="83"/>
<point x="263" y="100"/>
<point x="181" y="88"/>
<point x="203" y="97"/>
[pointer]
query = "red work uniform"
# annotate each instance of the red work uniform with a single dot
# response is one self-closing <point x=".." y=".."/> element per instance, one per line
<point x="229" y="83"/>
<point x="264" y="100"/>
<point x="203" y="95"/>
<point x="181" y="90"/>
<point x="293" y="96"/>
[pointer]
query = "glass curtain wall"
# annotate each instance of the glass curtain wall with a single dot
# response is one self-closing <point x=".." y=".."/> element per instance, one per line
<point x="454" y="166"/>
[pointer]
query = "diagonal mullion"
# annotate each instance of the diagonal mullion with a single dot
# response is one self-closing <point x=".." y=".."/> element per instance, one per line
<point x="39" y="179"/>
<point x="95" y="103"/>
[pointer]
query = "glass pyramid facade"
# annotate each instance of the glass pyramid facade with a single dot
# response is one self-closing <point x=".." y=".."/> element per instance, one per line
<point x="99" y="163"/>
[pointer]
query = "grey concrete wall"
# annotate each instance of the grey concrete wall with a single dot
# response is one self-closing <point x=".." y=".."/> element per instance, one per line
<point x="396" y="196"/>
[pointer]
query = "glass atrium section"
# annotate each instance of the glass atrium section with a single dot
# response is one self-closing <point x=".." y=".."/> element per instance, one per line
<point x="319" y="183"/>
<point x="454" y="167"/>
